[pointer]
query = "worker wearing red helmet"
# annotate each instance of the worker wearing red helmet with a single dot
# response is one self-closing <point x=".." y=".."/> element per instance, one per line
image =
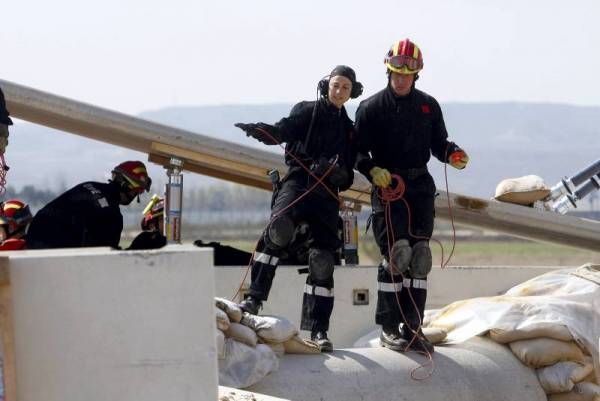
<point x="399" y="128"/>
<point x="88" y="214"/>
<point x="152" y="235"/>
<point x="14" y="220"/>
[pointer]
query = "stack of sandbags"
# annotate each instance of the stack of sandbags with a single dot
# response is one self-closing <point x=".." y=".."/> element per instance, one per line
<point x="551" y="323"/>
<point x="564" y="370"/>
<point x="248" y="345"/>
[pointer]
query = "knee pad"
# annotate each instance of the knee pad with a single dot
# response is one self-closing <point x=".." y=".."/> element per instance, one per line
<point x="421" y="262"/>
<point x="320" y="264"/>
<point x="279" y="232"/>
<point x="400" y="257"/>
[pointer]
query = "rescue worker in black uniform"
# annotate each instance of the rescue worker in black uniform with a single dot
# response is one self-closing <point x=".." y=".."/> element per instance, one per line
<point x="5" y="121"/>
<point x="88" y="214"/>
<point x="320" y="134"/>
<point x="15" y="216"/>
<point x="398" y="130"/>
<point x="152" y="235"/>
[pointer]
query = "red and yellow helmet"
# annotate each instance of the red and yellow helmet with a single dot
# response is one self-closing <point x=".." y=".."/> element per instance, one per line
<point x="15" y="217"/>
<point x="134" y="175"/>
<point x="404" y="57"/>
<point x="154" y="210"/>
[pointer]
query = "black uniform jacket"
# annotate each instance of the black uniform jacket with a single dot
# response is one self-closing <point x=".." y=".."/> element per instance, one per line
<point x="4" y="118"/>
<point x="399" y="133"/>
<point x="86" y="215"/>
<point x="332" y="134"/>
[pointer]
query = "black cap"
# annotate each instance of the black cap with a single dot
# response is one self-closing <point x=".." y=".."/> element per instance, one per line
<point x="344" y="71"/>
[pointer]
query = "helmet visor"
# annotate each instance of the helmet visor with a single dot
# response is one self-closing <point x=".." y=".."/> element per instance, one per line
<point x="412" y="64"/>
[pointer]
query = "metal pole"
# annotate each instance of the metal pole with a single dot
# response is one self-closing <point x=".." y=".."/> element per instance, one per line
<point x="174" y="201"/>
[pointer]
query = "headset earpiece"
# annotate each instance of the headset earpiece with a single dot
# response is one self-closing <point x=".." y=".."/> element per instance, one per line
<point x="323" y="87"/>
<point x="357" y="90"/>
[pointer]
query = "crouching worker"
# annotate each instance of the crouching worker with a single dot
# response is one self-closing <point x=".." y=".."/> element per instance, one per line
<point x="152" y="235"/>
<point x="14" y="220"/>
<point x="318" y="137"/>
<point x="88" y="214"/>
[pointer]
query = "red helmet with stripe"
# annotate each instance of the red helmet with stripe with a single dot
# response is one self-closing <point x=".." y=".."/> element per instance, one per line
<point x="404" y="57"/>
<point x="134" y="175"/>
<point x="15" y="217"/>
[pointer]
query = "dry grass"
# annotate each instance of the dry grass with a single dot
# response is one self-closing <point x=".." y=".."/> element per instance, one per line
<point x="499" y="253"/>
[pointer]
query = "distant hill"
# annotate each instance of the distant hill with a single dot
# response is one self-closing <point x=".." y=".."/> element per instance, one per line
<point x="502" y="139"/>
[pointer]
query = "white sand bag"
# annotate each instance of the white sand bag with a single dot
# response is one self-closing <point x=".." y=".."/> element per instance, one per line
<point x="220" y="344"/>
<point x="435" y="335"/>
<point x="548" y="330"/>
<point x="277" y="348"/>
<point x="242" y="334"/>
<point x="299" y="345"/>
<point x="244" y="366"/>
<point x="522" y="190"/>
<point x="581" y="392"/>
<point x="562" y="376"/>
<point x="231" y="308"/>
<point x="222" y="319"/>
<point x="272" y="329"/>
<point x="540" y="352"/>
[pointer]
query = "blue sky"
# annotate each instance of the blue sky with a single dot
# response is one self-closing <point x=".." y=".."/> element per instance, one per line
<point x="134" y="55"/>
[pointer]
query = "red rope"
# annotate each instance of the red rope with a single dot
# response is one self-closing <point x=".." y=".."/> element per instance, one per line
<point x="318" y="181"/>
<point x="3" y="172"/>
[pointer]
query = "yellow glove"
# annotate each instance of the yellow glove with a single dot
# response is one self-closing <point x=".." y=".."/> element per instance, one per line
<point x="381" y="177"/>
<point x="458" y="159"/>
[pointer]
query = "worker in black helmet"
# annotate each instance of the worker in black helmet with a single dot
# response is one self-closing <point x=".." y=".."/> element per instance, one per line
<point x="88" y="214"/>
<point x="5" y="121"/>
<point x="320" y="134"/>
<point x="399" y="128"/>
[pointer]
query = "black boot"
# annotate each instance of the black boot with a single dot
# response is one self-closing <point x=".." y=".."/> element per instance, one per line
<point x="391" y="338"/>
<point x="416" y="341"/>
<point x="251" y="305"/>
<point x="320" y="337"/>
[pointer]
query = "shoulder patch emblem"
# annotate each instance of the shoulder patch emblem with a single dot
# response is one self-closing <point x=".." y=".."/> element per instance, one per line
<point x="425" y="109"/>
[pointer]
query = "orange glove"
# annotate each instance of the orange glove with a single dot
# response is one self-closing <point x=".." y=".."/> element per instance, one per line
<point x="458" y="159"/>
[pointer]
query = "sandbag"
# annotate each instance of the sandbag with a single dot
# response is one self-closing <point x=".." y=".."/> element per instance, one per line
<point x="231" y="308"/>
<point x="435" y="335"/>
<point x="277" y="348"/>
<point x="581" y="392"/>
<point x="540" y="352"/>
<point x="222" y="319"/>
<point x="272" y="329"/>
<point x="299" y="345"/>
<point x="244" y="366"/>
<point x="242" y="334"/>
<point x="220" y="338"/>
<point x="522" y="190"/>
<point x="548" y="330"/>
<point x="562" y="376"/>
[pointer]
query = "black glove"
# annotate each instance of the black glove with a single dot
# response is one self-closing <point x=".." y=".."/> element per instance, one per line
<point x="320" y="167"/>
<point x="257" y="131"/>
<point x="338" y="176"/>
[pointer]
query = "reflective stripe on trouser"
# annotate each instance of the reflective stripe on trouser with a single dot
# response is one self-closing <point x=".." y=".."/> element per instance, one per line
<point x="417" y="290"/>
<point x="392" y="291"/>
<point x="264" y="263"/>
<point x="317" y="305"/>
